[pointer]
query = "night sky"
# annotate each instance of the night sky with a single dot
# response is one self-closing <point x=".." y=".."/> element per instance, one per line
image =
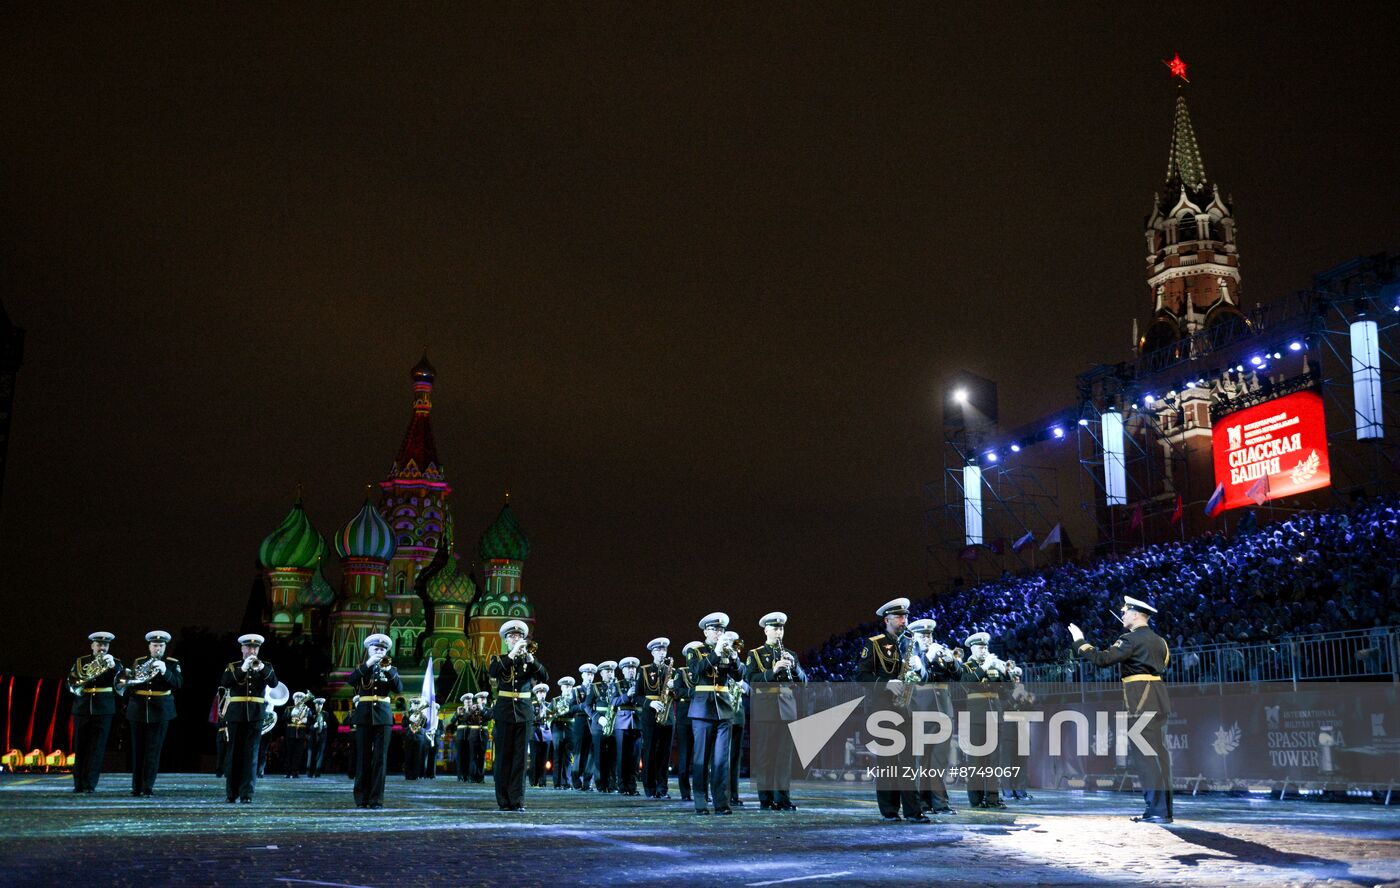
<point x="691" y="280"/>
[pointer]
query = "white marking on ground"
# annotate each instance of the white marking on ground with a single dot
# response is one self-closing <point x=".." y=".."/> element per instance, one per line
<point x="803" y="878"/>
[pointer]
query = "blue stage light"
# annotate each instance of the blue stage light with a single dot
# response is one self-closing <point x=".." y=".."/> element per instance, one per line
<point x="991" y="456"/>
<point x="1295" y="346"/>
<point x="1084" y="422"/>
<point x="1256" y="360"/>
<point x="1015" y="448"/>
<point x="1057" y="432"/>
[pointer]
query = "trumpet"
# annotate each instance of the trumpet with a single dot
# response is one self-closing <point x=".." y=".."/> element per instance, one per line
<point x="254" y="664"/>
<point x="733" y="648"/>
<point x="385" y="663"/>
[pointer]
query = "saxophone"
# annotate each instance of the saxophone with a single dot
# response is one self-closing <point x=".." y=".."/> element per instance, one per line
<point x="609" y="714"/>
<point x="908" y="675"/>
<point x="668" y="694"/>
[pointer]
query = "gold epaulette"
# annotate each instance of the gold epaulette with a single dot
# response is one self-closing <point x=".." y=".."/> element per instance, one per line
<point x="171" y="660"/>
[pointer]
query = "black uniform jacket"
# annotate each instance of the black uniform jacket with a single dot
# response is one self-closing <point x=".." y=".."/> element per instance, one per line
<point x="246" y="691"/>
<point x="708" y="673"/>
<point x="152" y="701"/>
<point x="99" y="696"/>
<point x="376" y="690"/>
<point x="515" y="682"/>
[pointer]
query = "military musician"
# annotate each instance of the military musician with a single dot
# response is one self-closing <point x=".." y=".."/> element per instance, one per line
<point x="600" y="714"/>
<point x="771" y="672"/>
<point x="1141" y="656"/>
<point x="93" y="680"/>
<point x="516" y="672"/>
<point x="477" y="725"/>
<point x="683" y="686"/>
<point x="375" y="682"/>
<point x="459" y="737"/>
<point x="296" y="737"/>
<point x="627" y="700"/>
<point x="245" y="683"/>
<point x="318" y="735"/>
<point x="414" y="738"/>
<point x="657" y="720"/>
<point x="738" y="694"/>
<point x="561" y="732"/>
<point x="934" y="694"/>
<point x="541" y="735"/>
<point x="150" y="708"/>
<point x="983" y="676"/>
<point x="890" y="661"/>
<point x="712" y="667"/>
<point x="582" y="729"/>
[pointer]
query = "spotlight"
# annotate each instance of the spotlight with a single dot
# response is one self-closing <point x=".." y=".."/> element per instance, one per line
<point x="1015" y="448"/>
<point x="1147" y="400"/>
<point x="960" y="396"/>
<point x="1295" y="346"/>
<point x="1277" y="355"/>
<point x="991" y="456"/>
<point x="1239" y="368"/>
<point x="1084" y="422"/>
<point x="1256" y="360"/>
<point x="1057" y="432"/>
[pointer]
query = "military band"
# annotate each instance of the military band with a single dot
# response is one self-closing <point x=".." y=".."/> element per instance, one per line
<point x="92" y="680"/>
<point x="618" y="716"/>
<point x="150" y="708"/>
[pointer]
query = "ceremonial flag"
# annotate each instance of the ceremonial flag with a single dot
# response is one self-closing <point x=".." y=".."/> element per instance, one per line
<point x="1023" y="542"/>
<point x="1136" y="521"/>
<point x="1051" y="538"/>
<point x="1215" y="499"/>
<point x="430" y="697"/>
<point x="1177" y="513"/>
<point x="998" y="546"/>
<point x="1259" y="490"/>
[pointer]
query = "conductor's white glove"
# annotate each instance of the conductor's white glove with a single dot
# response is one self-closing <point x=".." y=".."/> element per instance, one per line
<point x="1076" y="633"/>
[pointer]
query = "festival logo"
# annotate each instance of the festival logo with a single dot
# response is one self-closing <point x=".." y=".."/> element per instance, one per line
<point x="1272" y="450"/>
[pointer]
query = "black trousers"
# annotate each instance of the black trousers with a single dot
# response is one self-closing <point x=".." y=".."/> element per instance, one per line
<point x="315" y="753"/>
<point x="294" y="745"/>
<point x="147" y="738"/>
<point x="459" y="752"/>
<point x="90" y="748"/>
<point x="933" y="790"/>
<point x="1154" y="772"/>
<point x="510" y="740"/>
<point x="430" y="757"/>
<point x="656" y="755"/>
<point x="709" y="761"/>
<point x="539" y="756"/>
<point x="355" y="738"/>
<point x="372" y="761"/>
<point x="242" y="774"/>
<point x="412" y="755"/>
<point x="476" y="754"/>
<point x="221" y="751"/>
<point x="770" y="763"/>
<point x="685" y="742"/>
<point x="983" y="788"/>
<point x="626" y="740"/>
<point x="736" y="757"/>
<point x="562" y="750"/>
<point x="604" y="761"/>
<point x="582" y="739"/>
<point x="264" y="746"/>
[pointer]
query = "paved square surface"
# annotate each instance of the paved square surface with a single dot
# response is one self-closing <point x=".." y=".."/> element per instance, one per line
<point x="442" y="832"/>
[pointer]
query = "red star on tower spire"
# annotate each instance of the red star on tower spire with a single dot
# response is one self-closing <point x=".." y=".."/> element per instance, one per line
<point x="1177" y="66"/>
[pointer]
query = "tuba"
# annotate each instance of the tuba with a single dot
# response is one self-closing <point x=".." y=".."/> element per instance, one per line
<point x="272" y="698"/>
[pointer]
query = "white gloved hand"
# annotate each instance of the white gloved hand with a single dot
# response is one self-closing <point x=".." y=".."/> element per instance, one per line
<point x="602" y="721"/>
<point x="160" y="667"/>
<point x="895" y="687"/>
<point x="657" y="705"/>
<point x="248" y="665"/>
<point x="1076" y="633"/>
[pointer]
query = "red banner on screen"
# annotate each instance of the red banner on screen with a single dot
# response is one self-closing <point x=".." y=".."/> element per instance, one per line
<point x="1283" y="441"/>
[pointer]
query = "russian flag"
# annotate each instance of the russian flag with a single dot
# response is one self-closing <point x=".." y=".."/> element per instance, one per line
<point x="1216" y="499"/>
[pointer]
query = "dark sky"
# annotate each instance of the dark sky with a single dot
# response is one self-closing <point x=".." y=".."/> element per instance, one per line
<point x="691" y="280"/>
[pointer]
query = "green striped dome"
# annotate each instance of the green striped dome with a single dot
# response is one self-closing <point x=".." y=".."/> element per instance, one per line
<point x="319" y="593"/>
<point x="295" y="543"/>
<point x="504" y="538"/>
<point x="367" y="535"/>
<point x="451" y="585"/>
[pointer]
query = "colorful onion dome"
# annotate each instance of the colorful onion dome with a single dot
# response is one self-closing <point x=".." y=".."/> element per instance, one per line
<point x="367" y="535"/>
<point x="423" y="371"/>
<point x="319" y="593"/>
<point x="504" y="538"/>
<point x="295" y="543"/>
<point x="451" y="584"/>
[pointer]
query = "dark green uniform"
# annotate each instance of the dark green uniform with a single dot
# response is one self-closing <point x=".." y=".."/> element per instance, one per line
<point x="150" y="708"/>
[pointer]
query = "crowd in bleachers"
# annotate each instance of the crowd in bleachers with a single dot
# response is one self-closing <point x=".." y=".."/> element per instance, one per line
<point x="1312" y="572"/>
